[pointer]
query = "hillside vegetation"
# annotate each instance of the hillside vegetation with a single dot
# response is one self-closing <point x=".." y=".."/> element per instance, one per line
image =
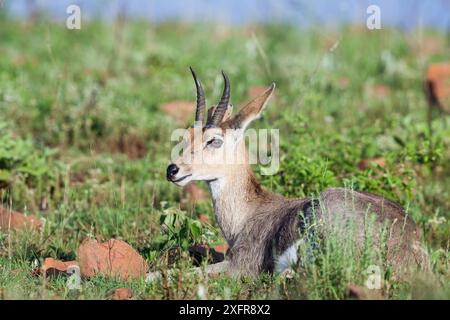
<point x="84" y="146"/>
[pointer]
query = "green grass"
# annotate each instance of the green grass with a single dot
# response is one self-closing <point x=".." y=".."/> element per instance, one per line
<point x="76" y="105"/>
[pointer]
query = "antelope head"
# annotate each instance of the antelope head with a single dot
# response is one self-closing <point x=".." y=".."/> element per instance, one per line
<point x="214" y="150"/>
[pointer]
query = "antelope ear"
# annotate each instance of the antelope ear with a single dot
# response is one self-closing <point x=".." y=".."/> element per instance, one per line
<point x="251" y="110"/>
<point x="228" y="113"/>
<point x="226" y="116"/>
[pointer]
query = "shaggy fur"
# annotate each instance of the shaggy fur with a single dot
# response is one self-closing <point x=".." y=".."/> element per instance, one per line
<point x="260" y="225"/>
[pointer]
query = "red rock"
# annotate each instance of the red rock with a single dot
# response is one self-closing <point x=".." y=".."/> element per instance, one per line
<point x="110" y="258"/>
<point x="367" y="163"/>
<point x="221" y="248"/>
<point x="181" y="111"/>
<point x="122" y="294"/>
<point x="15" y="220"/>
<point x="438" y="85"/>
<point x="53" y="267"/>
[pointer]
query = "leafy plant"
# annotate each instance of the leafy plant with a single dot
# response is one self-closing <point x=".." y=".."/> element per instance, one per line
<point x="180" y="230"/>
<point x="22" y="162"/>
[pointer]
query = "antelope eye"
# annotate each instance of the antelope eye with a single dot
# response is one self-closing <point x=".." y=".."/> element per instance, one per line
<point x="215" y="143"/>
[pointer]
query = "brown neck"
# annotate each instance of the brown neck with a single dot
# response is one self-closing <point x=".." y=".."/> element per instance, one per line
<point x="236" y="197"/>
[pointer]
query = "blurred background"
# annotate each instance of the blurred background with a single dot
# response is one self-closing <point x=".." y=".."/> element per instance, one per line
<point x="405" y="14"/>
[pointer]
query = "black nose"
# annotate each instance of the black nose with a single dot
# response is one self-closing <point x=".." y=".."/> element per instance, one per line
<point x="172" y="170"/>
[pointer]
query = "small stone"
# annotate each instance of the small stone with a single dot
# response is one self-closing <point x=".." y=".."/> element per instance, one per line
<point x="110" y="258"/>
<point x="122" y="294"/>
<point x="10" y="219"/>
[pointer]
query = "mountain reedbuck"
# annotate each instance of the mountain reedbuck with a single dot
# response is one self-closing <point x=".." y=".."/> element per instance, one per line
<point x="263" y="229"/>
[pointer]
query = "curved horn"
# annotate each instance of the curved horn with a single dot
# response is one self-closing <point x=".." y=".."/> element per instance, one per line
<point x="200" y="110"/>
<point x="223" y="104"/>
